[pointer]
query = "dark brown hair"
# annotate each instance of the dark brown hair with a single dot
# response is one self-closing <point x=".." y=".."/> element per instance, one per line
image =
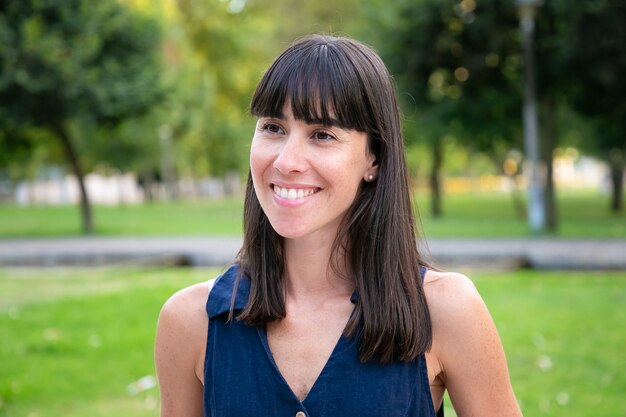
<point x="324" y="77"/>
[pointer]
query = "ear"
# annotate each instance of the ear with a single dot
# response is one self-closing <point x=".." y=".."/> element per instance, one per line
<point x="372" y="171"/>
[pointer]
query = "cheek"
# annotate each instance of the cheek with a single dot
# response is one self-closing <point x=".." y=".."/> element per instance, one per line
<point x="356" y="167"/>
<point x="260" y="161"/>
<point x="257" y="158"/>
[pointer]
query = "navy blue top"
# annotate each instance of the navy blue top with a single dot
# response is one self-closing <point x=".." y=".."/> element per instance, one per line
<point x="241" y="378"/>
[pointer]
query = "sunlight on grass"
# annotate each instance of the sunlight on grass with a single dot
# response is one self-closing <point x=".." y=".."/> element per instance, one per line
<point x="71" y="339"/>
<point x="563" y="335"/>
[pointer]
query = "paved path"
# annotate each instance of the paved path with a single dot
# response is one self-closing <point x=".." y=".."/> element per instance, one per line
<point x="543" y="253"/>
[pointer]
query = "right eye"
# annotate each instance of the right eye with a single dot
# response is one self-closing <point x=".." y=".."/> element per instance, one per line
<point x="271" y="128"/>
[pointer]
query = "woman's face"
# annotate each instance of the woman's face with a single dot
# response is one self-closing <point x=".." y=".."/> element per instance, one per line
<point x="306" y="176"/>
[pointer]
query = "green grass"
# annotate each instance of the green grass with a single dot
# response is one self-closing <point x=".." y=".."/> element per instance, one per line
<point x="72" y="340"/>
<point x="582" y="214"/>
<point x="563" y="333"/>
<point x="208" y="217"/>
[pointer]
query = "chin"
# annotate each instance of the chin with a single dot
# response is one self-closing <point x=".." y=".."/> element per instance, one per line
<point x="288" y="232"/>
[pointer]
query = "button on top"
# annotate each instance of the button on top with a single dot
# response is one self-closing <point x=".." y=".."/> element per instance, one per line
<point x="300" y="414"/>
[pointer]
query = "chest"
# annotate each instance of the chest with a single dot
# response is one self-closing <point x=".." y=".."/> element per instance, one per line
<point x="302" y="346"/>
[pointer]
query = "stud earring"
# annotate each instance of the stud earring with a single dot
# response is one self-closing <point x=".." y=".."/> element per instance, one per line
<point x="370" y="178"/>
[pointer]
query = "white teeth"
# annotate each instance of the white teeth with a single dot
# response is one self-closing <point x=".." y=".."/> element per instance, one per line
<point x="292" y="193"/>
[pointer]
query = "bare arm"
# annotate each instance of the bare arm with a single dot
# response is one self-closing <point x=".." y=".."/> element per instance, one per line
<point x="179" y="352"/>
<point x="468" y="347"/>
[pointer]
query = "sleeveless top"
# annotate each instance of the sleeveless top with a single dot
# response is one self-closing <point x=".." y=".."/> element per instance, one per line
<point x="241" y="378"/>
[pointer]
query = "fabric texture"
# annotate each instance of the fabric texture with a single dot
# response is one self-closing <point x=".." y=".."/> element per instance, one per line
<point x="242" y="379"/>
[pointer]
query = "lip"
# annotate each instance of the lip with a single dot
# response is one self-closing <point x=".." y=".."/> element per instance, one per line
<point x="293" y="202"/>
<point x="294" y="185"/>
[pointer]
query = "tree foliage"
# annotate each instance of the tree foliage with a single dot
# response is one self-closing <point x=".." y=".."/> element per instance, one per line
<point x="456" y="65"/>
<point x="69" y="65"/>
<point x="596" y="73"/>
<point x="459" y="63"/>
<point x="67" y="58"/>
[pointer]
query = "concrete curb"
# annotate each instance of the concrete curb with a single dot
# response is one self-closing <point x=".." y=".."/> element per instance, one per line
<point x="100" y="251"/>
<point x="540" y="253"/>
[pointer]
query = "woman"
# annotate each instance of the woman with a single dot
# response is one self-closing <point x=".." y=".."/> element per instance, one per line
<point x="329" y="310"/>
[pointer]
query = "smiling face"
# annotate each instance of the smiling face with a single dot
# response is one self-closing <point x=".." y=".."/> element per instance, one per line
<point x="306" y="176"/>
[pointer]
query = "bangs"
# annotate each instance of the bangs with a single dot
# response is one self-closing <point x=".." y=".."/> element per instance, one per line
<point x="322" y="85"/>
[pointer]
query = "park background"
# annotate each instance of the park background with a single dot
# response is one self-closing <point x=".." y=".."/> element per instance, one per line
<point x="129" y="118"/>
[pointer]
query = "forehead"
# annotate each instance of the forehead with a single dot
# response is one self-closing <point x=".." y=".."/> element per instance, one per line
<point x="320" y="84"/>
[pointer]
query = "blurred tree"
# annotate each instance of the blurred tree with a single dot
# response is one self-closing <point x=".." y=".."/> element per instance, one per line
<point x="68" y="65"/>
<point x="224" y="41"/>
<point x="456" y="64"/>
<point x="595" y="71"/>
<point x="227" y="46"/>
<point x="311" y="16"/>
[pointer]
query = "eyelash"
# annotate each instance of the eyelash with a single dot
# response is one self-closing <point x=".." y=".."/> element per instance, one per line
<point x="266" y="128"/>
<point x="328" y="136"/>
<point x="273" y="128"/>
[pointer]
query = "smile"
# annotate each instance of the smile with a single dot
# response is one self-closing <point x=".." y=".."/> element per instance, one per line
<point x="293" y="193"/>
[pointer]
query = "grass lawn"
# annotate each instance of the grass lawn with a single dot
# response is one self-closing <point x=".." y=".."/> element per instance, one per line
<point x="208" y="217"/>
<point x="582" y="214"/>
<point x="73" y="340"/>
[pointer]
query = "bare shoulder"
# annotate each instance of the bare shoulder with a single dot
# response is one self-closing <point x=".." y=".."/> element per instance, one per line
<point x="450" y="293"/>
<point x="188" y="304"/>
<point x="457" y="311"/>
<point x="179" y="351"/>
<point x="467" y="349"/>
<point x="183" y="316"/>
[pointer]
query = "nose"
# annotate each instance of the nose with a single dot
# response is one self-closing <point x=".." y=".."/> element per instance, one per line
<point x="291" y="157"/>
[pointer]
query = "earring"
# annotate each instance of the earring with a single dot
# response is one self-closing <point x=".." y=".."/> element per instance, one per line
<point x="370" y="178"/>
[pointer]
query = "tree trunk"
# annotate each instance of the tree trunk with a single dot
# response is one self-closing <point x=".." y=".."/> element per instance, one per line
<point x="616" y="164"/>
<point x="72" y="158"/>
<point x="435" y="179"/>
<point x="547" y="150"/>
<point x="519" y="206"/>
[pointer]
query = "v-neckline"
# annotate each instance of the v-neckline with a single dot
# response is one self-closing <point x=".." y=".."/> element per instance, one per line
<point x="262" y="331"/>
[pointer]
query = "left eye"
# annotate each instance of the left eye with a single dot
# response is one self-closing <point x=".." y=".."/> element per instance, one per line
<point x="323" y="136"/>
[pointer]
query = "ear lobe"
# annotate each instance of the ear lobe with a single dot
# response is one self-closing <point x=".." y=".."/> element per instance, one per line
<point x="371" y="173"/>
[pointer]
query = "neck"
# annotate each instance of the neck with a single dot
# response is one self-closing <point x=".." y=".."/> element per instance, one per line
<point x="308" y="270"/>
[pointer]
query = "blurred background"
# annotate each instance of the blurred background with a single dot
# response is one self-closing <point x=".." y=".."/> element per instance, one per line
<point x="125" y="122"/>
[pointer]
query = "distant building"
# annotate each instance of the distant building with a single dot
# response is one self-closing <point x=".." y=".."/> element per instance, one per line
<point x="56" y="188"/>
<point x="59" y="190"/>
